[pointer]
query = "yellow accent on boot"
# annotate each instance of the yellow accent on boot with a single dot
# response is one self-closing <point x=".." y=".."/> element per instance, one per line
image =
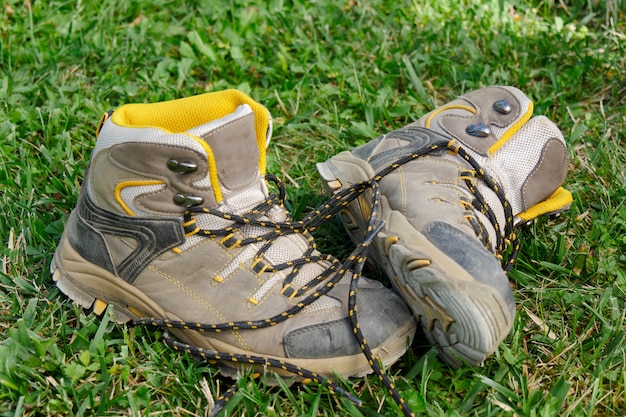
<point x="392" y="240"/>
<point x="185" y="113"/>
<point x="136" y="312"/>
<point x="558" y="201"/>
<point x="444" y="108"/>
<point x="512" y="130"/>
<point x="99" y="306"/>
<point x="103" y="119"/>
<point x="215" y="182"/>
<point x="119" y="187"/>
<point x="417" y="263"/>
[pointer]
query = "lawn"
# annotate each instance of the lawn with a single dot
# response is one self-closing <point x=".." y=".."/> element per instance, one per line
<point x="334" y="74"/>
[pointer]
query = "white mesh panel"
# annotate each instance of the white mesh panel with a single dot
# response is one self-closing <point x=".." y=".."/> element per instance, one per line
<point x="243" y="257"/>
<point x="516" y="160"/>
<point x="112" y="134"/>
<point x="284" y="248"/>
<point x="128" y="194"/>
<point x="307" y="273"/>
<point x="207" y="222"/>
<point x="287" y="248"/>
<point x="270" y="283"/>
<point x="244" y="199"/>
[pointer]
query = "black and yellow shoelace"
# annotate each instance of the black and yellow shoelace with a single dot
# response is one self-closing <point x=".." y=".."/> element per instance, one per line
<point x="324" y="282"/>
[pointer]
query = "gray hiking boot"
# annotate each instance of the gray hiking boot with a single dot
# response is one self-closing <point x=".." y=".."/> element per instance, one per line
<point x="446" y="224"/>
<point x="174" y="222"/>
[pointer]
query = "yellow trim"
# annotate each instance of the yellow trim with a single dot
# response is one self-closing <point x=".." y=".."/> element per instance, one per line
<point x="120" y="186"/>
<point x="99" y="306"/>
<point x="213" y="178"/>
<point x="444" y="108"/>
<point x="193" y="232"/>
<point x="103" y="119"/>
<point x="183" y="114"/>
<point x="391" y="240"/>
<point x="365" y="206"/>
<point x="557" y="201"/>
<point x="136" y="312"/>
<point x="512" y="130"/>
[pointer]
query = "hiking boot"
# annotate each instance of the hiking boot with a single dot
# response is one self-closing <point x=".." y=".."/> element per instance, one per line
<point x="175" y="223"/>
<point x="454" y="184"/>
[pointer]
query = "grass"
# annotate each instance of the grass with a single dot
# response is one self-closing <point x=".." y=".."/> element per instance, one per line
<point x="334" y="75"/>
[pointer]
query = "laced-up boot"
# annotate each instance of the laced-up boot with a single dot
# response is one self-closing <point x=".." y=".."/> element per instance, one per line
<point x="454" y="184"/>
<point x="175" y="226"/>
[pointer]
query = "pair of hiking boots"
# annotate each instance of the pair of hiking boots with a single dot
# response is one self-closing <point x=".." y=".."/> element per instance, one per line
<point x="176" y="226"/>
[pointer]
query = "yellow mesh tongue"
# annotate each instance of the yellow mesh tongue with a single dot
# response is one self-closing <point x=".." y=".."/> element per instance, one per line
<point x="177" y="116"/>
<point x="560" y="200"/>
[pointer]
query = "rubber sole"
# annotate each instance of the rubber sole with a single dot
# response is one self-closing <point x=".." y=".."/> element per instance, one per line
<point x="464" y="318"/>
<point x="94" y="288"/>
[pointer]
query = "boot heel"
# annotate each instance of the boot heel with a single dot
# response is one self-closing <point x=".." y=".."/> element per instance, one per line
<point x="82" y="298"/>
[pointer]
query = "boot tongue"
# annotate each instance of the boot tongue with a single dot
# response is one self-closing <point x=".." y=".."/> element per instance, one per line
<point x="236" y="158"/>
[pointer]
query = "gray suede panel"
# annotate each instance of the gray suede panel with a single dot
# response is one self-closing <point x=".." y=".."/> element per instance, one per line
<point x="548" y="175"/>
<point x="469" y="254"/>
<point x="482" y="100"/>
<point x="380" y="314"/>
<point x="149" y="161"/>
<point x="236" y="167"/>
<point x="387" y="149"/>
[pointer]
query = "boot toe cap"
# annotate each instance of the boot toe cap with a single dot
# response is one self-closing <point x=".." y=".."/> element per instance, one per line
<point x="383" y="318"/>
